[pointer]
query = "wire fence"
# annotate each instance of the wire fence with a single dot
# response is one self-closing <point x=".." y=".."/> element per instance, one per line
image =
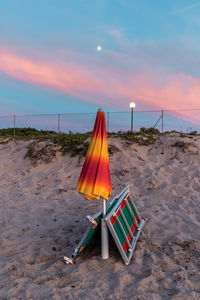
<point x="187" y="120"/>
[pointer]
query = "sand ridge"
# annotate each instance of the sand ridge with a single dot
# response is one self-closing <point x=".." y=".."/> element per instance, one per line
<point x="43" y="218"/>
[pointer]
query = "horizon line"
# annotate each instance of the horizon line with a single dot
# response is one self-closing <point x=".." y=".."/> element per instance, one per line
<point x="85" y="113"/>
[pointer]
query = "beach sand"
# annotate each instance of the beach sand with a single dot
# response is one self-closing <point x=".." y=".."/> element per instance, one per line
<point x="43" y="218"/>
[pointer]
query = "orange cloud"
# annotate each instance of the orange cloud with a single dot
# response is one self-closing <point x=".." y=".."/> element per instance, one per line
<point x="109" y="86"/>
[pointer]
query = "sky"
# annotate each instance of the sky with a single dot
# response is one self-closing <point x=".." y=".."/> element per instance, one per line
<point x="49" y="61"/>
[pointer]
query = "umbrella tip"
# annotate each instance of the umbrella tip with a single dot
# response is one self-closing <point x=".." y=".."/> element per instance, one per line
<point x="100" y="110"/>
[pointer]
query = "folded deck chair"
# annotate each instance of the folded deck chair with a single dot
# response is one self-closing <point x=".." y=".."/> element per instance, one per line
<point x="124" y="223"/>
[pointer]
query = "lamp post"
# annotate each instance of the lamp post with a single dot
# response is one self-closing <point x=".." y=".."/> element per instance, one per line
<point x="132" y="106"/>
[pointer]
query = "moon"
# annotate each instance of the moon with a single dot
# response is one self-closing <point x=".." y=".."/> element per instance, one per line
<point x="99" y="48"/>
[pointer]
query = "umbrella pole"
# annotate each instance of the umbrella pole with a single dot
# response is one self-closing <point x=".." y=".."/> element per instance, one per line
<point x="104" y="233"/>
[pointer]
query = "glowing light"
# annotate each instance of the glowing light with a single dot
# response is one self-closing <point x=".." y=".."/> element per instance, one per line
<point x="132" y="105"/>
<point x="99" y="48"/>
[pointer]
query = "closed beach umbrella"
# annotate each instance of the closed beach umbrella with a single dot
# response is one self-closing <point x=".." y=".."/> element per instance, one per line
<point x="94" y="181"/>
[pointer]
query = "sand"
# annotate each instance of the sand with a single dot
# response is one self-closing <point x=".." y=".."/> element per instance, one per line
<point x="43" y="218"/>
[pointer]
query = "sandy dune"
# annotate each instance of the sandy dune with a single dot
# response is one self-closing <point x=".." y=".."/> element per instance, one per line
<point x="43" y="218"/>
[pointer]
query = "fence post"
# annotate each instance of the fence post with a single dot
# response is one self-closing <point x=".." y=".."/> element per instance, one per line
<point x="14" y="126"/>
<point x="162" y="120"/>
<point x="107" y="121"/>
<point x="58" y="123"/>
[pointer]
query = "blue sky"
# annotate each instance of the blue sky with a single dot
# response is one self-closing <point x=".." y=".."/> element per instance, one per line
<point x="49" y="62"/>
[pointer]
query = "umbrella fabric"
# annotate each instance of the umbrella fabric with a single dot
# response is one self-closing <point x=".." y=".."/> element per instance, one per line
<point x="94" y="181"/>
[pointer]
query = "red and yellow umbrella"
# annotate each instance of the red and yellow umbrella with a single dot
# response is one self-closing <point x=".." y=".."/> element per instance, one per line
<point x="94" y="181"/>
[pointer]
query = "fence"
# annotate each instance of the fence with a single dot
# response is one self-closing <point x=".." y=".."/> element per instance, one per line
<point x="164" y="120"/>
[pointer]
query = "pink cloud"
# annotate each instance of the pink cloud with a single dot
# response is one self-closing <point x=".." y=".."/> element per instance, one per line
<point x="68" y="77"/>
<point x="109" y="85"/>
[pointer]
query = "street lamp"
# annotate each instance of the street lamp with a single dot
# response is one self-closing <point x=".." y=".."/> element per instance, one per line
<point x="132" y="106"/>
